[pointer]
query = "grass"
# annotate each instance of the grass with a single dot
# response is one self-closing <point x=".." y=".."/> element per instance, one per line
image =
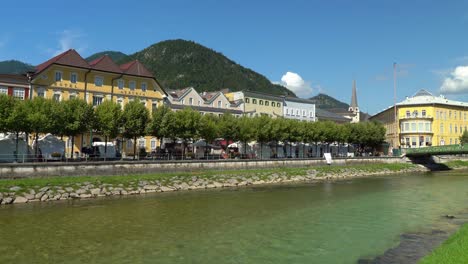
<point x="211" y="175"/>
<point x="457" y="164"/>
<point x="453" y="250"/>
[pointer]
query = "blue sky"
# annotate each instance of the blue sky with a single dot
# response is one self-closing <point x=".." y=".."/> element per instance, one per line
<point x="323" y="45"/>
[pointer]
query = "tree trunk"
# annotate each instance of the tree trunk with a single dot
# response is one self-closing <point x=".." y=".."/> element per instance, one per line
<point x="105" y="148"/>
<point x="183" y="149"/>
<point x="261" y="150"/>
<point x="72" y="146"/>
<point x="206" y="148"/>
<point x="16" y="148"/>
<point x="134" y="148"/>
<point x="36" y="147"/>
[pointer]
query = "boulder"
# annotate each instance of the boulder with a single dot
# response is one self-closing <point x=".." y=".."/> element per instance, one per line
<point x="29" y="196"/>
<point x="15" y="188"/>
<point x="44" y="197"/>
<point x="85" y="196"/>
<point x="69" y="189"/>
<point x="7" y="200"/>
<point x="151" y="187"/>
<point x="166" y="189"/>
<point x="20" y="199"/>
<point x="95" y="191"/>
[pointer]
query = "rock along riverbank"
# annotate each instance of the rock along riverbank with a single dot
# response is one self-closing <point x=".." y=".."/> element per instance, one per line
<point x="40" y="190"/>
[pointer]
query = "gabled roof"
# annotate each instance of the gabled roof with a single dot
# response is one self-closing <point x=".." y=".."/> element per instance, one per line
<point x="105" y="63"/>
<point x="68" y="58"/>
<point x="136" y="68"/>
<point x="177" y="94"/>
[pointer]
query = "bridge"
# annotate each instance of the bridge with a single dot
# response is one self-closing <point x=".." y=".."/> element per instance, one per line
<point x="439" y="150"/>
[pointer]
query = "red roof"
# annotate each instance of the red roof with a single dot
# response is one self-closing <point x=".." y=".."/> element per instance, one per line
<point x="69" y="58"/>
<point x="105" y="63"/>
<point x="136" y="68"/>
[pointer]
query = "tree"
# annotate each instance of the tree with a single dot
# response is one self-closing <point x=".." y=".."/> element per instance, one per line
<point x="208" y="129"/>
<point x="39" y="117"/>
<point x="262" y="131"/>
<point x="187" y="122"/>
<point x="6" y="107"/>
<point x="155" y="125"/>
<point x="78" y="117"/>
<point x="464" y="138"/>
<point x="108" y="119"/>
<point x="246" y="131"/>
<point x="228" y="126"/>
<point x="135" y="117"/>
<point x="17" y="122"/>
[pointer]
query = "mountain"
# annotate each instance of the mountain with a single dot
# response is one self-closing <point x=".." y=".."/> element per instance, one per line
<point x="15" y="67"/>
<point x="324" y="101"/>
<point x="180" y="63"/>
<point x="114" y="55"/>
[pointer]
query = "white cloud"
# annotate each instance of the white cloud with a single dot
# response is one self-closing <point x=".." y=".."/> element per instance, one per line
<point x="68" y="39"/>
<point x="295" y="83"/>
<point x="457" y="82"/>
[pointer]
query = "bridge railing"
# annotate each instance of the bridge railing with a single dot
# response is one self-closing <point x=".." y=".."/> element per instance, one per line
<point x="437" y="150"/>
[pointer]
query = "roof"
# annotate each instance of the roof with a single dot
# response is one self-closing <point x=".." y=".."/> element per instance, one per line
<point x="263" y="96"/>
<point x="177" y="94"/>
<point x="209" y="96"/>
<point x="105" y="63"/>
<point x="322" y="114"/>
<point x="299" y="100"/>
<point x="14" y="79"/>
<point x="206" y="109"/>
<point x="136" y="68"/>
<point x="68" y="58"/>
<point x="354" y="103"/>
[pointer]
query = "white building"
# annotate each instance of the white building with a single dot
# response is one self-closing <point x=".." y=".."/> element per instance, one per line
<point x="300" y="109"/>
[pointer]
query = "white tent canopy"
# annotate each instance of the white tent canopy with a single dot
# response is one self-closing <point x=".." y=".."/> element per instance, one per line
<point x="50" y="147"/>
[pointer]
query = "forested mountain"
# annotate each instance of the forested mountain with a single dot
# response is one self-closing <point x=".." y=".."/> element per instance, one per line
<point x="324" y="101"/>
<point x="114" y="55"/>
<point x="180" y="63"/>
<point x="15" y="67"/>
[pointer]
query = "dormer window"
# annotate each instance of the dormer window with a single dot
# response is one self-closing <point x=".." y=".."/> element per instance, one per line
<point x="219" y="104"/>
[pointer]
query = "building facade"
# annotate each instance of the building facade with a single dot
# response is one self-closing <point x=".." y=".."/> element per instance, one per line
<point x="299" y="109"/>
<point x="15" y="85"/>
<point x="68" y="76"/>
<point x="256" y="104"/>
<point x="424" y="120"/>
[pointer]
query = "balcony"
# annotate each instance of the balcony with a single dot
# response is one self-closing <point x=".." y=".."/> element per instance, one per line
<point x="413" y="117"/>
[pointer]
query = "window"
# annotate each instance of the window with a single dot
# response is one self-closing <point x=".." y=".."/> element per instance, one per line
<point x="304" y="113"/>
<point x="413" y="127"/>
<point x="73" y="77"/>
<point x="423" y="113"/>
<point x="437" y="114"/>
<point x="141" y="143"/>
<point x="464" y="116"/>
<point x="132" y="85"/>
<point x="420" y="127"/>
<point x="454" y="115"/>
<point x="254" y="101"/>
<point x="72" y="96"/>
<point x="199" y="102"/>
<point x="56" y="97"/>
<point x="120" y="102"/>
<point x="143" y="86"/>
<point x="58" y="76"/>
<point x="287" y="111"/>
<point x="183" y="101"/>
<point x="120" y="83"/>
<point x="450" y="114"/>
<point x="260" y="102"/>
<point x="40" y="92"/>
<point x="278" y="105"/>
<point x="129" y="144"/>
<point x="3" y="90"/>
<point x="456" y="129"/>
<point x="154" y="106"/>
<point x="408" y="113"/>
<point x="267" y="103"/>
<point x="98" y="81"/>
<point x="190" y="101"/>
<point x="18" y="93"/>
<point x="220" y="104"/>
<point x="97" y="100"/>
<point x="310" y="114"/>
<point x="415" y="113"/>
<point x="247" y="100"/>
<point x="441" y="128"/>
<point x="450" y="128"/>
<point x="428" y="127"/>
<point x="153" y="143"/>
<point x="297" y="112"/>
<point x="273" y="104"/>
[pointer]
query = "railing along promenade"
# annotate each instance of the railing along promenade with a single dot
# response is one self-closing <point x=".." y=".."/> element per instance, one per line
<point x="437" y="150"/>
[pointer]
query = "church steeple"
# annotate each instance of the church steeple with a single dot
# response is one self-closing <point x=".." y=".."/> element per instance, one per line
<point x="353" y="107"/>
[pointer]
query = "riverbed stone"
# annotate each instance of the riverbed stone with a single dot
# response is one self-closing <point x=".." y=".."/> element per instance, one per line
<point x="44" y="189"/>
<point x="7" y="200"/>
<point x="20" y="199"/>
<point x="81" y="191"/>
<point x="65" y="196"/>
<point x="74" y="195"/>
<point x="166" y="189"/>
<point x="44" y="197"/>
<point x="115" y="192"/>
<point x="95" y="191"/>
<point x="57" y="197"/>
<point x="85" y="196"/>
<point x="69" y="189"/>
<point x="29" y="196"/>
<point x="151" y="187"/>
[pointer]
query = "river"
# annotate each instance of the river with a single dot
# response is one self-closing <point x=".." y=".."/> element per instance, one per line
<point x="339" y="222"/>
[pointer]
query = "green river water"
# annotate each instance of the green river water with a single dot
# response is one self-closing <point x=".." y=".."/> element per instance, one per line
<point x="338" y="222"/>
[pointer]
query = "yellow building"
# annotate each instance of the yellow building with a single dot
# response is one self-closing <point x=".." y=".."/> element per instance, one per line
<point x="68" y="76"/>
<point x="424" y="120"/>
<point x="256" y="104"/>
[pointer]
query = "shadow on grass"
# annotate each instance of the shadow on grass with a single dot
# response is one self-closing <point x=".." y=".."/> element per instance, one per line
<point x="429" y="163"/>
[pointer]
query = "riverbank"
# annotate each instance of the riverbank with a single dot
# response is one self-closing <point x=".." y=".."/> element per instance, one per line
<point x="87" y="187"/>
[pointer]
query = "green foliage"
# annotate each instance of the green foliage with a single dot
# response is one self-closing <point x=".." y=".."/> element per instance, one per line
<point x="39" y="115"/>
<point x="464" y="138"/>
<point x="108" y="118"/>
<point x="180" y="63"/>
<point x="228" y="126"/>
<point x="187" y="122"/>
<point x="78" y="116"/>
<point x="6" y="109"/>
<point x="135" y="116"/>
<point x="155" y="125"/>
<point x="208" y="128"/>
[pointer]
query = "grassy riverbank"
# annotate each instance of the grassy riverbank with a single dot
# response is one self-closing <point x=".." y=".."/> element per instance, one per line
<point x="164" y="179"/>
<point x="453" y="250"/>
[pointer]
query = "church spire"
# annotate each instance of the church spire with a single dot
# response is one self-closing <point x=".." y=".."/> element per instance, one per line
<point x="354" y="103"/>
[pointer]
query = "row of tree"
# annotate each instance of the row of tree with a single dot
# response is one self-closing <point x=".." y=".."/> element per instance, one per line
<point x="74" y="117"/>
